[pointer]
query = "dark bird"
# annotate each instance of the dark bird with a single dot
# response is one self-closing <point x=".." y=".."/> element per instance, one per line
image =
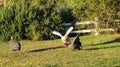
<point x="76" y="43"/>
<point x="15" y="45"/>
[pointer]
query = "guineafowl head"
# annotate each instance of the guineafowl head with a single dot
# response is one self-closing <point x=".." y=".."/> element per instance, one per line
<point x="11" y="37"/>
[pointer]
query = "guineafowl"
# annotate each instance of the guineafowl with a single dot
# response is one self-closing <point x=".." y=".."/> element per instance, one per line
<point x="15" y="45"/>
<point x="76" y="43"/>
<point x="65" y="39"/>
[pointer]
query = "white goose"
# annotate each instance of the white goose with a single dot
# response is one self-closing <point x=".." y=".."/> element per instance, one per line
<point x="65" y="39"/>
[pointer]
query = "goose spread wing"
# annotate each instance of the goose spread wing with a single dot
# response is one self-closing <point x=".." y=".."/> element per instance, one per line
<point x="53" y="31"/>
<point x="71" y="28"/>
<point x="57" y="33"/>
<point x="68" y="31"/>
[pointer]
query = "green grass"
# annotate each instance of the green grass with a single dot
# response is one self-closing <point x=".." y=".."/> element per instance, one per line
<point x="98" y="51"/>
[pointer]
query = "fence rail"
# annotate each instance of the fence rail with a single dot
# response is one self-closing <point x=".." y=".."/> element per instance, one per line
<point x="96" y="29"/>
<point x="91" y="30"/>
<point x="80" y="23"/>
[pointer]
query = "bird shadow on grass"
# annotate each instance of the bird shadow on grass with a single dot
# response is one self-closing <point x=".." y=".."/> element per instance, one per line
<point x="108" y="42"/>
<point x="102" y="48"/>
<point x="45" y="49"/>
<point x="105" y="43"/>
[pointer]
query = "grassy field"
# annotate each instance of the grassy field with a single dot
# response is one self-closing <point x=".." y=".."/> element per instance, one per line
<point x="98" y="51"/>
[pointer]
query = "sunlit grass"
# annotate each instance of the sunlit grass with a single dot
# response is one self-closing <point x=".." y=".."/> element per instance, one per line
<point x="98" y="51"/>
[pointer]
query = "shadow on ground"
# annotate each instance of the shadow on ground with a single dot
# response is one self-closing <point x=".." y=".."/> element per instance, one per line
<point x="108" y="42"/>
<point x="102" y="47"/>
<point x="105" y="43"/>
<point x="44" y="49"/>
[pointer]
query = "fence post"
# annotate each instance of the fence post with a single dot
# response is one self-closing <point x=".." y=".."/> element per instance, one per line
<point x="96" y="26"/>
<point x="1" y="2"/>
<point x="5" y="3"/>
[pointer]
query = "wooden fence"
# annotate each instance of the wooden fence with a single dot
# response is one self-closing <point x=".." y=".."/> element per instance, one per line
<point x="96" y="29"/>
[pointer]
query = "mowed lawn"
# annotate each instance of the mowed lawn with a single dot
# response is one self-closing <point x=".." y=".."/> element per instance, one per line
<point x="98" y="51"/>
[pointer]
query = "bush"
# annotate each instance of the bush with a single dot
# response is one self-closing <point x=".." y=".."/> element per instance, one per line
<point x="25" y="19"/>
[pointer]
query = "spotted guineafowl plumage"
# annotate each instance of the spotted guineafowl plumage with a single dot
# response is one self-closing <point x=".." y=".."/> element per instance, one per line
<point x="15" y="45"/>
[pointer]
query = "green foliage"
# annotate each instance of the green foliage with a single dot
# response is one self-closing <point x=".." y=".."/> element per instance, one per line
<point x="25" y="19"/>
